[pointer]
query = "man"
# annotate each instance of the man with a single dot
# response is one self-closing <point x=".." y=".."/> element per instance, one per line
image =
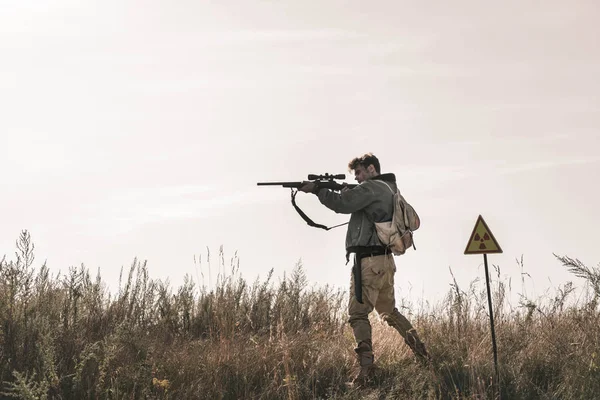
<point x="369" y="202"/>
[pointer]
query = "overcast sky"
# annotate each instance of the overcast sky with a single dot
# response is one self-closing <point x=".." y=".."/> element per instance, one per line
<point x="140" y="128"/>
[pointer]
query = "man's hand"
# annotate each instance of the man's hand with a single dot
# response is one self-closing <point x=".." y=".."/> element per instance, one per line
<point x="308" y="187"/>
<point x="345" y="187"/>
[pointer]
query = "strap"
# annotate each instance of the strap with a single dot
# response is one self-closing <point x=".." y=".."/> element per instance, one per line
<point x="389" y="187"/>
<point x="306" y="218"/>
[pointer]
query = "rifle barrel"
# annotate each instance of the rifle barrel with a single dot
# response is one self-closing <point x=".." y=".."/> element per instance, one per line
<point x="325" y="184"/>
<point x="279" y="183"/>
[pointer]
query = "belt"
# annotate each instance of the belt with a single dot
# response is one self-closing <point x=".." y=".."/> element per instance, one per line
<point x="367" y="251"/>
<point x="365" y="255"/>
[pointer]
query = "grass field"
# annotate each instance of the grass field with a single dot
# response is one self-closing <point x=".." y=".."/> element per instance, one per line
<point x="66" y="337"/>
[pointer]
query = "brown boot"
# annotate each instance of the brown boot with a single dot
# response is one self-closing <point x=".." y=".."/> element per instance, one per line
<point x="418" y="347"/>
<point x="365" y="358"/>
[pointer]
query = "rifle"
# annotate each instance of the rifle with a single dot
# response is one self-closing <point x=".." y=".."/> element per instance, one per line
<point x="325" y="181"/>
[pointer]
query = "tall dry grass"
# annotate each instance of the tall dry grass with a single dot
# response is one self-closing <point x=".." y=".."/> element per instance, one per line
<point x="67" y="337"/>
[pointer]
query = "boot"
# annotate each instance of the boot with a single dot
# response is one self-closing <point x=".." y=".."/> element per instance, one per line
<point x="418" y="347"/>
<point x="405" y="329"/>
<point x="365" y="358"/>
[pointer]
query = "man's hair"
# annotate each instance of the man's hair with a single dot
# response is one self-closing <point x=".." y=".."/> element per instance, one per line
<point x="365" y="160"/>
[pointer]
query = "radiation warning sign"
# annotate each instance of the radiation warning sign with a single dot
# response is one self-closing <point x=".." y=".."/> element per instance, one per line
<point x="482" y="241"/>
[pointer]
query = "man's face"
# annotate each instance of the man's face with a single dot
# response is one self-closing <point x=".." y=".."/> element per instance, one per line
<point x="361" y="173"/>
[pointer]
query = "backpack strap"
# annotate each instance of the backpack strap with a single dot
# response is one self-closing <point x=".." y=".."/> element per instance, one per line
<point x="398" y="192"/>
<point x="385" y="183"/>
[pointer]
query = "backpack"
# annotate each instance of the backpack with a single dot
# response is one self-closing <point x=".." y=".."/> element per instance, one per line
<point x="397" y="234"/>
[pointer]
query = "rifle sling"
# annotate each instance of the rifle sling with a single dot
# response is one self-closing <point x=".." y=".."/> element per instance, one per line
<point x="306" y="218"/>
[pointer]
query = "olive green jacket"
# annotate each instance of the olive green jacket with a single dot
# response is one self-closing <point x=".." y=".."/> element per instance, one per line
<point x="369" y="202"/>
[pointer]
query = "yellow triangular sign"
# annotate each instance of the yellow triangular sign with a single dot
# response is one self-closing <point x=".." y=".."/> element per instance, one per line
<point x="482" y="241"/>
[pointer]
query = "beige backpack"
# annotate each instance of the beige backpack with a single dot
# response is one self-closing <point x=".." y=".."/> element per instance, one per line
<point x="397" y="234"/>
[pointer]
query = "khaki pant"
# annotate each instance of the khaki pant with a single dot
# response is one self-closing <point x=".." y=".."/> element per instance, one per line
<point x="377" y="293"/>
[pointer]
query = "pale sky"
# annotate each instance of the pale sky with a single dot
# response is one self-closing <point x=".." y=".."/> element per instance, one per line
<point x="140" y="128"/>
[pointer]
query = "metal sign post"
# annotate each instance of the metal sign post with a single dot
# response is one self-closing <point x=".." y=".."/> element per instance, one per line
<point x="483" y="242"/>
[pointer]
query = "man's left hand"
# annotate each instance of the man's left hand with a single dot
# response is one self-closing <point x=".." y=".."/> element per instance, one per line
<point x="307" y="186"/>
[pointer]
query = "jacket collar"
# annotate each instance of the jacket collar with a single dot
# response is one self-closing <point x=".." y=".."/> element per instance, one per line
<point x="389" y="177"/>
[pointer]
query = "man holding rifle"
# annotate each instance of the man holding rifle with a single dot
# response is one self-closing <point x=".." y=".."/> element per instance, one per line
<point x="369" y="202"/>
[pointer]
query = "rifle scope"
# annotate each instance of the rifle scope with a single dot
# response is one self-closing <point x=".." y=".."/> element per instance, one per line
<point x="312" y="177"/>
